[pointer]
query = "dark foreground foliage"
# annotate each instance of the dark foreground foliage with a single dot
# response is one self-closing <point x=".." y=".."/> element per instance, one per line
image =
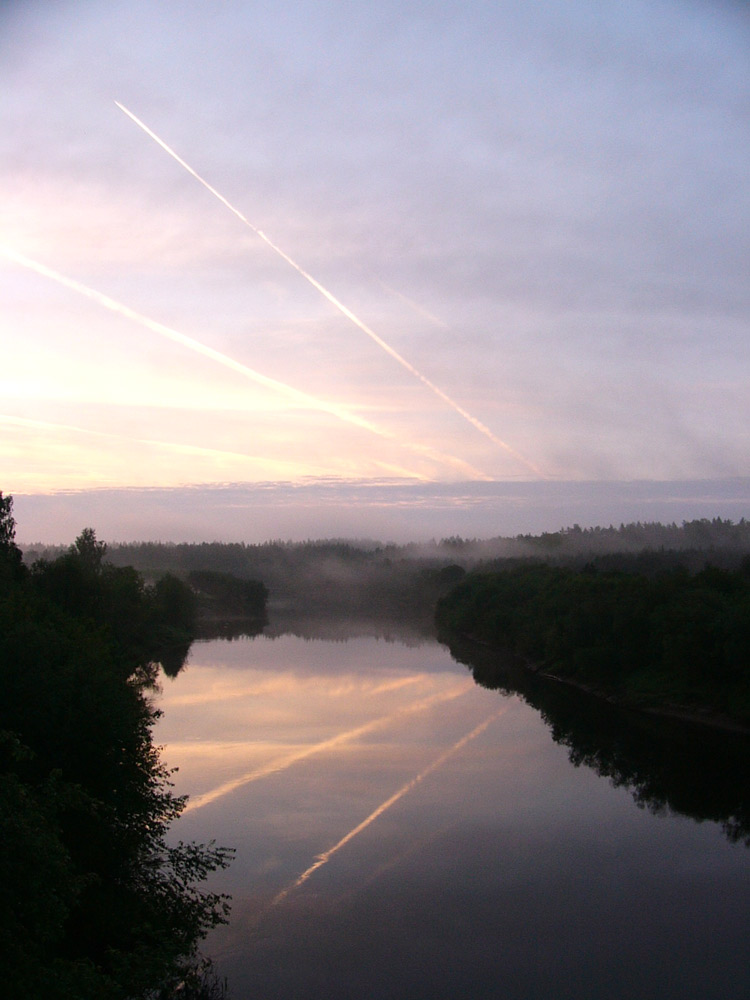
<point x="94" y="903"/>
<point x="668" y="639"/>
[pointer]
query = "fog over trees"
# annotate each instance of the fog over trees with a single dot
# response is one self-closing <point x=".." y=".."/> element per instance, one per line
<point x="368" y="578"/>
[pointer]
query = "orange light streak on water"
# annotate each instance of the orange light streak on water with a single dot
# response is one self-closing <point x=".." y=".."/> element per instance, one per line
<point x="287" y="760"/>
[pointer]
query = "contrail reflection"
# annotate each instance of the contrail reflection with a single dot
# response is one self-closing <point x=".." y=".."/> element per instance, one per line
<point x="322" y="859"/>
<point x="344" y="310"/>
<point x="287" y="760"/>
<point x="297" y="395"/>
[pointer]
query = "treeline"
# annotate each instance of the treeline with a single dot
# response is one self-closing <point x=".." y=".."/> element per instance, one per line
<point x="94" y="901"/>
<point x="669" y="639"/>
<point x="717" y="535"/>
<point x="402" y="582"/>
<point x="701" y="535"/>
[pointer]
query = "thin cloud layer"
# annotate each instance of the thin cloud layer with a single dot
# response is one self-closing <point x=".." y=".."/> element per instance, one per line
<point x="389" y="510"/>
<point x="545" y="211"/>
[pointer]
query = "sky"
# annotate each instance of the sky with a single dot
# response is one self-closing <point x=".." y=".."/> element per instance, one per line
<point x="432" y="249"/>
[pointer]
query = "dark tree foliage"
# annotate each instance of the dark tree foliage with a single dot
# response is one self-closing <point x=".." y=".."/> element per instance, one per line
<point x="94" y="903"/>
<point x="367" y="580"/>
<point x="12" y="568"/>
<point x="223" y="595"/>
<point x="672" y="638"/>
<point x="355" y="580"/>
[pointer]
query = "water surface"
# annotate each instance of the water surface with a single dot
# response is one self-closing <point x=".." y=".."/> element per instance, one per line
<point x="404" y="833"/>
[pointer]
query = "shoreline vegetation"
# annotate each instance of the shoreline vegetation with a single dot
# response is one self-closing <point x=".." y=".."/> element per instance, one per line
<point x="656" y="616"/>
<point x="671" y="643"/>
<point x="96" y="902"/>
<point x="227" y="607"/>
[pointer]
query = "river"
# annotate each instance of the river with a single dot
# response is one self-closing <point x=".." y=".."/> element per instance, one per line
<point x="402" y="832"/>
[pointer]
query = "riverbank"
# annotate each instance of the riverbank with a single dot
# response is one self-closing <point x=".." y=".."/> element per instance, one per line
<point x="693" y="714"/>
<point x="673" y="644"/>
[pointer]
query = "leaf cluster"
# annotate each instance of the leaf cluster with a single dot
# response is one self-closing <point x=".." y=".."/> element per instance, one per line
<point x="94" y="901"/>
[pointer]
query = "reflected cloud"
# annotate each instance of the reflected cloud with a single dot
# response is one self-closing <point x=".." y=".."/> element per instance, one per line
<point x="324" y="858"/>
<point x="285" y="761"/>
<point x="417" y="846"/>
<point x="397" y="685"/>
<point x="292" y="684"/>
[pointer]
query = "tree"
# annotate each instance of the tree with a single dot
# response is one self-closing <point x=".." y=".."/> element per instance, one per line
<point x="95" y="903"/>
<point x="11" y="557"/>
<point x="90" y="551"/>
<point x="7" y="523"/>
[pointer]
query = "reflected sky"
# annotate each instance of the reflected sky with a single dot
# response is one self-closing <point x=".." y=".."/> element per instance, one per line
<point x="424" y="837"/>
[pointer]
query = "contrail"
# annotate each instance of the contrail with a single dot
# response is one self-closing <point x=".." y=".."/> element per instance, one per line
<point x="297" y="395"/>
<point x="477" y="424"/>
<point x="324" y="858"/>
<point x="287" y="760"/>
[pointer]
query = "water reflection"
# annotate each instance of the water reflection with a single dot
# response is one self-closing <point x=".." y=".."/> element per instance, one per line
<point x="173" y="657"/>
<point x="338" y="628"/>
<point x="665" y="763"/>
<point x="410" y="785"/>
<point x="231" y="627"/>
<point x="424" y="837"/>
<point x="291" y="757"/>
<point x="295" y="700"/>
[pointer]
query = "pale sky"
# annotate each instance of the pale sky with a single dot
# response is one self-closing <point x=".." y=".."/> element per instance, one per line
<point x="540" y="208"/>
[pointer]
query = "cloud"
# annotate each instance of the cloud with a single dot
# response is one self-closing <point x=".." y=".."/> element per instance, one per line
<point x="388" y="510"/>
<point x="564" y="188"/>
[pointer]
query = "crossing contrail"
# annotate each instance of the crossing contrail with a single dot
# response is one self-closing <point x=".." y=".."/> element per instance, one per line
<point x="285" y="761"/>
<point x="324" y="858"/>
<point x="344" y="310"/>
<point x="297" y="395"/>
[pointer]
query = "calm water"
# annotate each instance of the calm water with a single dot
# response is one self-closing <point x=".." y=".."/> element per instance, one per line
<point x="404" y="833"/>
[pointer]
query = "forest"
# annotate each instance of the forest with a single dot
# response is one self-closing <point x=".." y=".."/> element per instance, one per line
<point x="669" y="639"/>
<point x="369" y="579"/>
<point x="95" y="901"/>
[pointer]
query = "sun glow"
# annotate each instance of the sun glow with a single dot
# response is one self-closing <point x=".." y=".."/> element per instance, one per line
<point x="337" y="304"/>
<point x="293" y="395"/>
